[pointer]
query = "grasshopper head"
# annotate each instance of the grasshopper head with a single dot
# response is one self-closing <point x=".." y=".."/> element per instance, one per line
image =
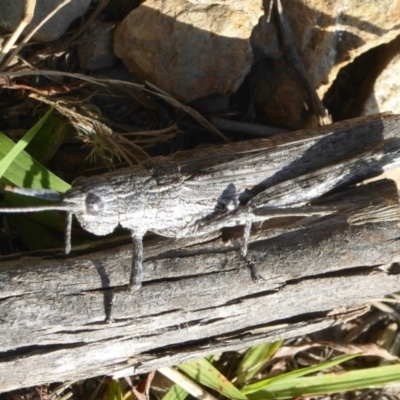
<point x="95" y="205"/>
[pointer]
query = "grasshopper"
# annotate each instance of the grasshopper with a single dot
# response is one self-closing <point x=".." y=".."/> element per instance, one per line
<point x="194" y="192"/>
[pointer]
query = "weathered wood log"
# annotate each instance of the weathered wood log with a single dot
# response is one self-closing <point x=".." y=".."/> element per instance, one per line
<point x="197" y="298"/>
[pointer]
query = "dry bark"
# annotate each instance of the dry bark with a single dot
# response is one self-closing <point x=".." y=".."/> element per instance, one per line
<point x="197" y="298"/>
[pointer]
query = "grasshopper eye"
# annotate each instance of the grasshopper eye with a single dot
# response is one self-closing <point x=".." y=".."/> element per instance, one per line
<point x="94" y="204"/>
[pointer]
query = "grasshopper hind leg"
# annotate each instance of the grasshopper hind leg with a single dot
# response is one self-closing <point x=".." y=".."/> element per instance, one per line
<point x="135" y="279"/>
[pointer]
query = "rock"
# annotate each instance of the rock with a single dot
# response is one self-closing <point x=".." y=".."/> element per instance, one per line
<point x="264" y="40"/>
<point x="279" y="94"/>
<point x="11" y="12"/>
<point x="95" y="50"/>
<point x="384" y="93"/>
<point x="278" y="90"/>
<point x="189" y="48"/>
<point x="331" y="34"/>
<point x="117" y="10"/>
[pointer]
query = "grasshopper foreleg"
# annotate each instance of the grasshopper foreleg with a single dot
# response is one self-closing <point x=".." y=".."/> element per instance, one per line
<point x="255" y="275"/>
<point x="135" y="279"/>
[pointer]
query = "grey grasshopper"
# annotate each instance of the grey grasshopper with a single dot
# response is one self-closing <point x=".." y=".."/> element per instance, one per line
<point x="193" y="192"/>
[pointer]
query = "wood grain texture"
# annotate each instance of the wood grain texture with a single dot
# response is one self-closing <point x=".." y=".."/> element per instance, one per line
<point x="197" y="296"/>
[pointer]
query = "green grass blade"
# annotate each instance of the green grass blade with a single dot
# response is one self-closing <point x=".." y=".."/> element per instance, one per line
<point x="254" y="359"/>
<point x="330" y="383"/>
<point x="22" y="143"/>
<point x="49" y="139"/>
<point x="178" y="393"/>
<point x="204" y="372"/>
<point x="175" y="393"/>
<point x="290" y="376"/>
<point x="27" y="172"/>
<point x="114" y="391"/>
<point x="40" y="230"/>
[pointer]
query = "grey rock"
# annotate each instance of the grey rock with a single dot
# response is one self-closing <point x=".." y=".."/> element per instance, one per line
<point x="95" y="50"/>
<point x="11" y="13"/>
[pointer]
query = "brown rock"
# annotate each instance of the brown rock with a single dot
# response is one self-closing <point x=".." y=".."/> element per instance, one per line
<point x="330" y="34"/>
<point x="279" y="94"/>
<point x="385" y="88"/>
<point x="189" y="48"/>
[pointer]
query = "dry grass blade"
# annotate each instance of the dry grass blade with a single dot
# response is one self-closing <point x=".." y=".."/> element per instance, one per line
<point x="291" y="51"/>
<point x="104" y="82"/>
<point x="196" y="115"/>
<point x="100" y="5"/>
<point x="32" y="32"/>
<point x="386" y="309"/>
<point x="151" y="138"/>
<point x="370" y="349"/>
<point x="138" y="153"/>
<point x="119" y="138"/>
<point x="50" y="73"/>
<point x="152" y="133"/>
<point x="25" y="21"/>
<point x="246" y="127"/>
<point x="186" y="383"/>
<point x="104" y="142"/>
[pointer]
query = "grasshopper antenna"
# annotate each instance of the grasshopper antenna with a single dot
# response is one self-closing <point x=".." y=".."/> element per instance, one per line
<point x="44" y="194"/>
<point x="55" y="207"/>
